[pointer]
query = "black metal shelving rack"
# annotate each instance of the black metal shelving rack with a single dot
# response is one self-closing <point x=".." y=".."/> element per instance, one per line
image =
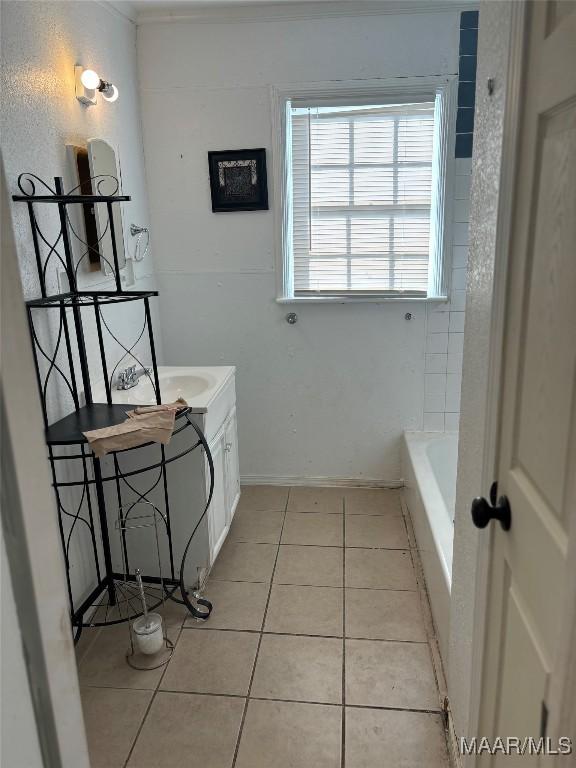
<point x="114" y="598"/>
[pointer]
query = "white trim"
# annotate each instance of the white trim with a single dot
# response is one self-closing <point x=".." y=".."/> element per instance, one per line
<point x="336" y="482"/>
<point x="360" y="300"/>
<point x="510" y="132"/>
<point x="228" y="13"/>
<point x="443" y="88"/>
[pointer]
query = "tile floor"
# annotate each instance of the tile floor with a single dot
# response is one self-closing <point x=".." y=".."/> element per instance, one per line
<point x="316" y="655"/>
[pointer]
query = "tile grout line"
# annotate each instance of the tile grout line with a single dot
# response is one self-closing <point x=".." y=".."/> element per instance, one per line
<point x="247" y="700"/>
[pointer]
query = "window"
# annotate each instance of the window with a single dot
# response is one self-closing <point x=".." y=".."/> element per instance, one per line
<point x="363" y="196"/>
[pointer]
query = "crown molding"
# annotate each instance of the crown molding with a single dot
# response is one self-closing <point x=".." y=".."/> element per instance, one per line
<point x="292" y="11"/>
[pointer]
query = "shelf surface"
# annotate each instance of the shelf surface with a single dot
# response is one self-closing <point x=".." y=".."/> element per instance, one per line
<point x="68" y="430"/>
<point x="89" y="298"/>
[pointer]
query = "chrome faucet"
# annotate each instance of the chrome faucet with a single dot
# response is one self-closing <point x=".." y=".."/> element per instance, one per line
<point x="129" y="377"/>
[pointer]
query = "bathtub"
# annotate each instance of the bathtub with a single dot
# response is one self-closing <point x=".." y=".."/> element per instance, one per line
<point x="429" y="462"/>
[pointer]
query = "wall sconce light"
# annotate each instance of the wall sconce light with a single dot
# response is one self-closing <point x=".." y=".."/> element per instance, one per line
<point x="89" y="83"/>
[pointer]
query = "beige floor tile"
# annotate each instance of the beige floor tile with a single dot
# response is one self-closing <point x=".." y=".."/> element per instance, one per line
<point x="383" y="614"/>
<point x="299" y="668"/>
<point x="315" y="566"/>
<point x="236" y="605"/>
<point x="388" y="739"/>
<point x="380" y="569"/>
<point x="288" y="735"/>
<point x="263" y="497"/>
<point x="212" y="662"/>
<point x="329" y="500"/>
<point x="112" y="718"/>
<point x="385" y="674"/>
<point x="104" y="664"/>
<point x="244" y="562"/>
<point x="254" y="525"/>
<point x="374" y="531"/>
<point x="372" y="501"/>
<point x="305" y="610"/>
<point x="184" y="730"/>
<point x="313" y="528"/>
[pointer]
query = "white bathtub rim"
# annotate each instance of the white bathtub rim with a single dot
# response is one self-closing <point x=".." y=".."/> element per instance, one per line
<point x="434" y="502"/>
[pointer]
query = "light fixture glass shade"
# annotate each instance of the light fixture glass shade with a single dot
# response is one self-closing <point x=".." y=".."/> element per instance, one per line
<point x="90" y="79"/>
<point x="110" y="93"/>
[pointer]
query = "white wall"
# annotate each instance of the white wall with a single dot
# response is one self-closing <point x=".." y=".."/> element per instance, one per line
<point x="331" y="395"/>
<point x="41" y="43"/>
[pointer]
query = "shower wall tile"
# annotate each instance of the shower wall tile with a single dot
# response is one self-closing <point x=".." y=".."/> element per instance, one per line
<point x="445" y="329"/>
<point x="436" y="363"/>
<point x="437" y="343"/>
<point x="434" y="422"/>
<point x="451" y="422"/>
<point x="457" y="322"/>
<point x="438" y="322"/>
<point x="460" y="256"/>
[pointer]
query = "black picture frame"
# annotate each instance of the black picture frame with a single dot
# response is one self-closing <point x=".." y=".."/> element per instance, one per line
<point x="238" y="180"/>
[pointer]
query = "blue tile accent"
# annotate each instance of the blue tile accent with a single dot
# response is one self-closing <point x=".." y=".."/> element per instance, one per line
<point x="465" y="120"/>
<point x="467" y="68"/>
<point x="468" y="42"/>
<point x="466" y="94"/>
<point x="466" y="83"/>
<point x="464" y="144"/>
<point x="469" y="20"/>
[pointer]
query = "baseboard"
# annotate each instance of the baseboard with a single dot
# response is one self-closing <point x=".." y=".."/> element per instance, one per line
<point x="339" y="482"/>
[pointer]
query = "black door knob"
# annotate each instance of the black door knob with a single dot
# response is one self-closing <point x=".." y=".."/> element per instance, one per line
<point x="482" y="512"/>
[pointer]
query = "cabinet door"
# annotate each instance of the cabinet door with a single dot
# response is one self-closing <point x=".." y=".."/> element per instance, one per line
<point x="217" y="512"/>
<point x="232" y="466"/>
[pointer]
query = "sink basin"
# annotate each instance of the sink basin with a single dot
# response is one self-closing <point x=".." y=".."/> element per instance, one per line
<point x="195" y="385"/>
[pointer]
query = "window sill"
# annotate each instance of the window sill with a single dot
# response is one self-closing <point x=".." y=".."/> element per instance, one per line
<point x="360" y="300"/>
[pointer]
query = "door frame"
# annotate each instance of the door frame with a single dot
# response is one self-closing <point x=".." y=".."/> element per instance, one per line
<point x="563" y="686"/>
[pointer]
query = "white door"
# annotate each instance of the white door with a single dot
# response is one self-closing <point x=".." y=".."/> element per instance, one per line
<point x="232" y="465"/>
<point x="537" y="442"/>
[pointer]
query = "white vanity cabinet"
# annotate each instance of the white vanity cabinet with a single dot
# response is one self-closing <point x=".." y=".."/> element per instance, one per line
<point x="224" y="450"/>
<point x="211" y="394"/>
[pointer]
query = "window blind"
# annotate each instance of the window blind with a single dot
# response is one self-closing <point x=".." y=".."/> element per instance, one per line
<point x="361" y="198"/>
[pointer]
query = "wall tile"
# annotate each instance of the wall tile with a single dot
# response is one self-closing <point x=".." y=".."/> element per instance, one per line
<point x="436" y="363"/>
<point x="461" y="234"/>
<point x="435" y="383"/>
<point x="451" y="421"/>
<point x="465" y="120"/>
<point x="455" y="343"/>
<point x="462" y="187"/>
<point x="462" y="211"/>
<point x="453" y="386"/>
<point x="457" y="322"/>
<point x="438" y="322"/>
<point x="468" y="42"/>
<point x="454" y="362"/>
<point x="437" y="343"/>
<point x="459" y="256"/>
<point x="464" y="144"/>
<point x="458" y="300"/>
<point x="467" y="68"/>
<point x="469" y="19"/>
<point x="463" y="166"/>
<point x="459" y="279"/>
<point x="435" y="403"/>
<point x="434" y="422"/>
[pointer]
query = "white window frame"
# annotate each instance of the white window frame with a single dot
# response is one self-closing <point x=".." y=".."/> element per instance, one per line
<point x="441" y="89"/>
